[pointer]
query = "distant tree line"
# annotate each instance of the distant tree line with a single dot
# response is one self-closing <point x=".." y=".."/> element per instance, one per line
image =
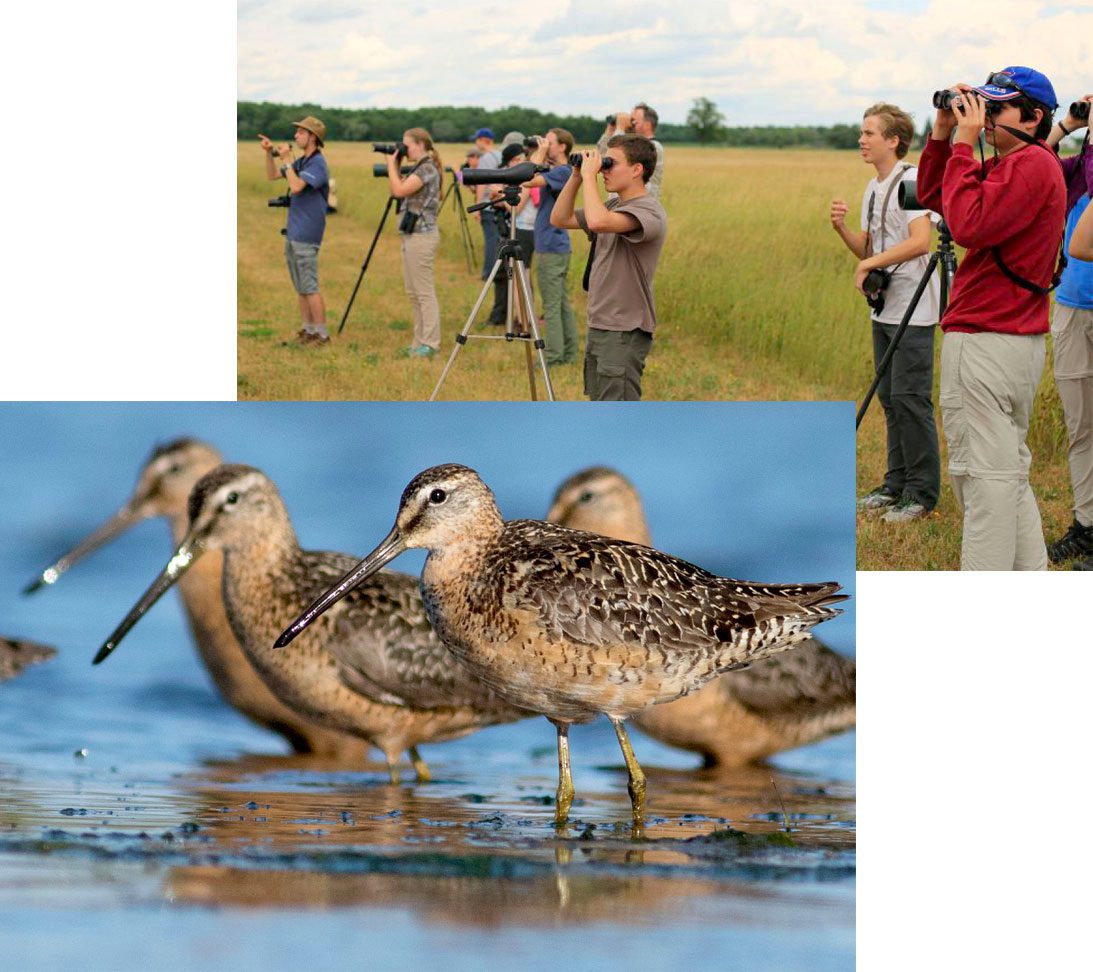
<point x="449" y="123"/>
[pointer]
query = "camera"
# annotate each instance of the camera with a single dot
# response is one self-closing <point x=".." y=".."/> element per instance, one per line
<point x="278" y="202"/>
<point x="606" y="162"/>
<point x="514" y="175"/>
<point x="390" y="148"/>
<point x="1080" y="110"/>
<point x="379" y="170"/>
<point x="874" y="285"/>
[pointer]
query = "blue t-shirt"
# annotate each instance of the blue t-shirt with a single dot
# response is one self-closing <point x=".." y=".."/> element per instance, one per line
<point x="307" y="208"/>
<point x="550" y="239"/>
<point x="1076" y="289"/>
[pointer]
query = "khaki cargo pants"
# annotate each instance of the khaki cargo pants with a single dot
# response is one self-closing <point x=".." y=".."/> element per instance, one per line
<point x="1072" y="341"/>
<point x="988" y="386"/>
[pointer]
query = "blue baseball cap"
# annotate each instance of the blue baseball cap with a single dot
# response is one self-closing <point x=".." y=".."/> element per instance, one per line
<point x="484" y="133"/>
<point x="1012" y="82"/>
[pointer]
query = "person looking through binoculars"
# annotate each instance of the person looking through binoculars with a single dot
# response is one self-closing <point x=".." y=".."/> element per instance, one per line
<point x="308" y="188"/>
<point x="891" y="248"/>
<point x="1072" y="344"/>
<point x="1008" y="212"/>
<point x="419" y="192"/>
<point x="627" y="234"/>
<point x="553" y="247"/>
<point x="489" y="157"/>
<point x="641" y="121"/>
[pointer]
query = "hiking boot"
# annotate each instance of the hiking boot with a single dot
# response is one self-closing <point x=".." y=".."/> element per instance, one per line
<point x="1076" y="542"/>
<point x="908" y="508"/>
<point x="878" y="499"/>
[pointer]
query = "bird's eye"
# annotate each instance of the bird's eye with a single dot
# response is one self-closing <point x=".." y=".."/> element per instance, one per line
<point x="586" y="497"/>
<point x="231" y="499"/>
<point x="175" y="469"/>
<point x="437" y="496"/>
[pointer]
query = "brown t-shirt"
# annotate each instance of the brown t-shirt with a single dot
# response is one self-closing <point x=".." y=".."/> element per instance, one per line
<point x="620" y="288"/>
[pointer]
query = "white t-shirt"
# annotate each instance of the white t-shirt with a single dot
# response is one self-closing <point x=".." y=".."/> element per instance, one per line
<point x="897" y="221"/>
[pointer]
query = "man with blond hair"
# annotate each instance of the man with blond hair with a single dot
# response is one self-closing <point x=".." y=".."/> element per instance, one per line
<point x="895" y="241"/>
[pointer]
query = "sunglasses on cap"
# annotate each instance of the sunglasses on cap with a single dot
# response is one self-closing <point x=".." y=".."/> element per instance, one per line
<point x="1000" y="80"/>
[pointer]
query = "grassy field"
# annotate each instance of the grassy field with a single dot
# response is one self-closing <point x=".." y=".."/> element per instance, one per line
<point x="754" y="300"/>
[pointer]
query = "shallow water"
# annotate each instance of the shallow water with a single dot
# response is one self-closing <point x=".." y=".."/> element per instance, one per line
<point x="143" y="823"/>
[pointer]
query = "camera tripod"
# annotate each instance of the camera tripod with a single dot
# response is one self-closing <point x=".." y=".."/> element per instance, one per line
<point x="511" y="262"/>
<point x="367" y="260"/>
<point x="453" y="191"/>
<point x="944" y="257"/>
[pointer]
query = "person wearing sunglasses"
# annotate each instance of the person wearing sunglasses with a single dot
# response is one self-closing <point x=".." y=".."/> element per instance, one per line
<point x="1007" y="211"/>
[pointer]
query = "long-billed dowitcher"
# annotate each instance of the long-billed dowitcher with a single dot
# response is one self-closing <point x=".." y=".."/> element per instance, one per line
<point x="790" y="699"/>
<point x="572" y="624"/>
<point x="163" y="487"/>
<point x="15" y="655"/>
<point x="375" y="669"/>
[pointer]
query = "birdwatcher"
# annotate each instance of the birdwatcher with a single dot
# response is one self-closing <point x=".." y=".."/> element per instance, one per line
<point x="1072" y="345"/>
<point x="554" y="248"/>
<point x="1008" y="212"/>
<point x="308" y="189"/>
<point x="642" y="120"/>
<point x="627" y="234"/>
<point x="895" y="242"/>
<point x="489" y="158"/>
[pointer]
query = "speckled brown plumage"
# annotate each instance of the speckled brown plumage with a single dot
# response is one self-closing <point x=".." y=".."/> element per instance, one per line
<point x="787" y="700"/>
<point x="15" y="655"/>
<point x="163" y="487"/>
<point x="573" y="624"/>
<point x="372" y="668"/>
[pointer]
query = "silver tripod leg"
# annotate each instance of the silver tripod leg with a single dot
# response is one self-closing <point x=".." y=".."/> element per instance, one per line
<point x="523" y="292"/>
<point x="461" y="337"/>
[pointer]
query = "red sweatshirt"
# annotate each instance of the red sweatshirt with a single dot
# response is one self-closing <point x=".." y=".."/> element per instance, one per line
<point x="1019" y="208"/>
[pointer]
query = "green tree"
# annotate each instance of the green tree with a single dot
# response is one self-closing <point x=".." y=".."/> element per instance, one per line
<point x="706" y="121"/>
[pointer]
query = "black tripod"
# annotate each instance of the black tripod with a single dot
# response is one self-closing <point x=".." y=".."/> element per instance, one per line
<point x="945" y="258"/>
<point x="367" y="259"/>
<point x="510" y="261"/>
<point x="464" y="231"/>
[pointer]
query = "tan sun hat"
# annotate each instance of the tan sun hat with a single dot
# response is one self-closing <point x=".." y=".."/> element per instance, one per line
<point x="313" y="125"/>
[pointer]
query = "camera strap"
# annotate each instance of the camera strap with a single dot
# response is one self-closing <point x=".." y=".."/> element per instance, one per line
<point x="1061" y="263"/>
<point x="896" y="179"/>
<point x="588" y="266"/>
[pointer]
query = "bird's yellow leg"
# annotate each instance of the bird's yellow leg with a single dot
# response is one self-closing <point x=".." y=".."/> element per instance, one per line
<point x="422" y="770"/>
<point x="636" y="783"/>
<point x="565" y="777"/>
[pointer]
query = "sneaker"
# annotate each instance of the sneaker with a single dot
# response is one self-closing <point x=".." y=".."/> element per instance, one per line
<point x="908" y="508"/>
<point x="422" y="351"/>
<point x="1076" y="542"/>
<point x="878" y="499"/>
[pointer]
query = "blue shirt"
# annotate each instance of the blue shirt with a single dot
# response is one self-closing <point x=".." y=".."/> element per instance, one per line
<point x="307" y="208"/>
<point x="550" y="239"/>
<point x="1076" y="289"/>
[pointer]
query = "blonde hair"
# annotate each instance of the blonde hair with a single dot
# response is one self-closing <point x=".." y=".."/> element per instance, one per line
<point x="896" y="124"/>
<point x="422" y="136"/>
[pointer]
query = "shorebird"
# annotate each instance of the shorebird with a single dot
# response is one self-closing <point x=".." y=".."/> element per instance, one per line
<point x="15" y="655"/>
<point x="572" y="624"/>
<point x="373" y="669"/>
<point x="163" y="487"/>
<point x="787" y="700"/>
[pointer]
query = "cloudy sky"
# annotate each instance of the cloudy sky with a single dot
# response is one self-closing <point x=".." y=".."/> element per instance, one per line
<point x="774" y="62"/>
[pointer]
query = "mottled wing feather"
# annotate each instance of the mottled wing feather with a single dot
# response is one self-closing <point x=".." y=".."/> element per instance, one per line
<point x="596" y="591"/>
<point x="385" y="647"/>
<point x="16" y="655"/>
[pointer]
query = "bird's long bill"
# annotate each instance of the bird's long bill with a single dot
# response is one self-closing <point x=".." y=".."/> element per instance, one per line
<point x="189" y="550"/>
<point x="387" y="551"/>
<point x="117" y="524"/>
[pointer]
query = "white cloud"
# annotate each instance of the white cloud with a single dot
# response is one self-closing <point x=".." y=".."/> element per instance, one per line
<point x="782" y="61"/>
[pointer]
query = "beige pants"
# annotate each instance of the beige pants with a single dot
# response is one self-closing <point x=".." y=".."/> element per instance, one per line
<point x="1072" y="340"/>
<point x="418" y="255"/>
<point x="988" y="386"/>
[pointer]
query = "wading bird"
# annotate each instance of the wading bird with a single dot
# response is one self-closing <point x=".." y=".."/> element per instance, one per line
<point x="373" y="669"/>
<point x="163" y="487"/>
<point x="572" y="624"/>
